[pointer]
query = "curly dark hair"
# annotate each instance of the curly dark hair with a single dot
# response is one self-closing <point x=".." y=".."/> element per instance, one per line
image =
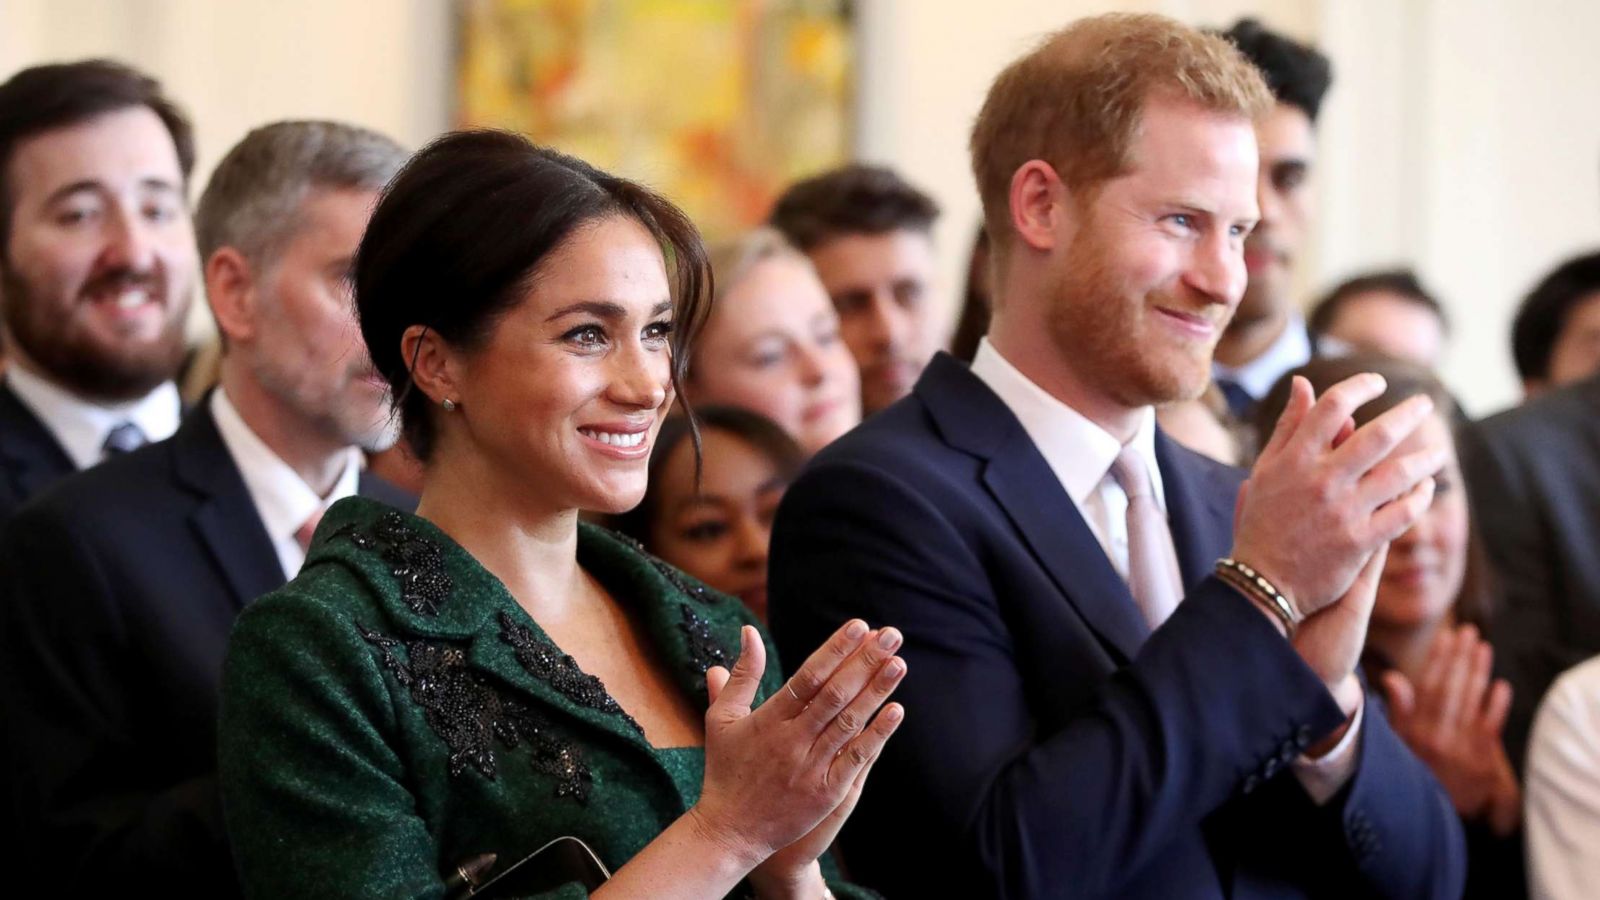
<point x="1298" y="75"/>
<point x="852" y="199"/>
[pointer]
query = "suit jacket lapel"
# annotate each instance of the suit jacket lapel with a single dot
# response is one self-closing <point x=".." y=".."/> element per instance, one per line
<point x="224" y="519"/>
<point x="1199" y="510"/>
<point x="30" y="455"/>
<point x="972" y="418"/>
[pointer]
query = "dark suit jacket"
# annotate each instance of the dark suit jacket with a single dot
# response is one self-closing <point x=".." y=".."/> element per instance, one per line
<point x="31" y="458"/>
<point x="118" y="588"/>
<point x="1052" y="746"/>
<point x="1534" y="477"/>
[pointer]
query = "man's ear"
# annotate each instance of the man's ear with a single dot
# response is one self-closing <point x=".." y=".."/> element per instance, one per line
<point x="434" y="367"/>
<point x="1038" y="202"/>
<point x="231" y="291"/>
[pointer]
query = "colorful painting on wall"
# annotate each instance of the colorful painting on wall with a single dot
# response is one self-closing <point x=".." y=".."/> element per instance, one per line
<point x="717" y="103"/>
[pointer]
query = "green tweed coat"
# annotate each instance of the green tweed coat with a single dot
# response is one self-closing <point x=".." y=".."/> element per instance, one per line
<point x="392" y="712"/>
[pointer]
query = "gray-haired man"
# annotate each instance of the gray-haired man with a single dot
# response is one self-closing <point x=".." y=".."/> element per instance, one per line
<point x="119" y="586"/>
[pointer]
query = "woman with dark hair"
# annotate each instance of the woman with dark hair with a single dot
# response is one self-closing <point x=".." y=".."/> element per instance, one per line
<point x="491" y="674"/>
<point x="1424" y="642"/>
<point x="716" y="523"/>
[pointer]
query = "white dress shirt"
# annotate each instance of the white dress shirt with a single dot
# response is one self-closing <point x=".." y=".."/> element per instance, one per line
<point x="1563" y="789"/>
<point x="81" y="427"/>
<point x="1291" y="350"/>
<point x="1080" y="454"/>
<point x="282" y="498"/>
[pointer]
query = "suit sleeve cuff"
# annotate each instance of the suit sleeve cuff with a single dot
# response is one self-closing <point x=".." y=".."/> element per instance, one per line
<point x="1324" y="776"/>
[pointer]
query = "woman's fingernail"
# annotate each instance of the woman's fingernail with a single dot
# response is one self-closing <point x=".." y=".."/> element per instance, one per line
<point x="855" y="630"/>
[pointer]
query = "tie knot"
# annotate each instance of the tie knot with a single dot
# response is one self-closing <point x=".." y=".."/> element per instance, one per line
<point x="1130" y="473"/>
<point x="124" y="437"/>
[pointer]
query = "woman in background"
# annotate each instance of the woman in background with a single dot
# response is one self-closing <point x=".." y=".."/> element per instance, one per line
<point x="491" y="674"/>
<point x="1425" y="645"/>
<point x="772" y="344"/>
<point x="720" y="532"/>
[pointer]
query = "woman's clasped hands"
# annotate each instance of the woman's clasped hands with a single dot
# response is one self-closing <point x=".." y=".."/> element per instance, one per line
<point x="783" y="777"/>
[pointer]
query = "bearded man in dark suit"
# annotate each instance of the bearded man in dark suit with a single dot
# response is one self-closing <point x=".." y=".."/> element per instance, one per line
<point x="97" y="262"/>
<point x="118" y="586"/>
<point x="1071" y="728"/>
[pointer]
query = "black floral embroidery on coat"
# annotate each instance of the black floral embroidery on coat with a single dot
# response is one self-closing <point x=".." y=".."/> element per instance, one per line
<point x="469" y="713"/>
<point x="705" y="650"/>
<point x="684" y="583"/>
<point x="415" y="561"/>
<point x="544" y="661"/>
<point x="674" y="577"/>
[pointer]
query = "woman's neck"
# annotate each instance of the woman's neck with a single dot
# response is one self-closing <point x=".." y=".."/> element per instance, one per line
<point x="1406" y="647"/>
<point x="533" y="549"/>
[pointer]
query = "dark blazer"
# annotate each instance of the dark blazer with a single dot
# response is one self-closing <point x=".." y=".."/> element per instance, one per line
<point x="1053" y="746"/>
<point x="118" y="587"/>
<point x="393" y="711"/>
<point x="31" y="458"/>
<point x="1533" y="473"/>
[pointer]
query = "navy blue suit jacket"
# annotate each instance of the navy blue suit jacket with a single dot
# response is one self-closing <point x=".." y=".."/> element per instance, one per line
<point x="1053" y="746"/>
<point x="31" y="458"/>
<point x="118" y="589"/>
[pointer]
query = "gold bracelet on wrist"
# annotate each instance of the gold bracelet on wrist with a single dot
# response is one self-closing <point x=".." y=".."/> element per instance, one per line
<point x="1253" y="585"/>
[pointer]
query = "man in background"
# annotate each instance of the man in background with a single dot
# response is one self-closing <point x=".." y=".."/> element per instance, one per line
<point x="1381" y="312"/>
<point x="1555" y="337"/>
<point x="1267" y="335"/>
<point x="97" y="267"/>
<point x="118" y="587"/>
<point x="870" y="236"/>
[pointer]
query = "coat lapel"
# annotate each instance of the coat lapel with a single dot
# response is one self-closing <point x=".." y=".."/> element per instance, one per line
<point x="30" y="455"/>
<point x="433" y="590"/>
<point x="1016" y="475"/>
<point x="224" y="519"/>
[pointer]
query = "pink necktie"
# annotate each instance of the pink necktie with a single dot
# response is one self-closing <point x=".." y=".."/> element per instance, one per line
<point x="1152" y="563"/>
<point x="302" y="535"/>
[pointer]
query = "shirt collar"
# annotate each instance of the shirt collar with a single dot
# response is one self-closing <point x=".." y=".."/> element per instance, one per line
<point x="81" y="426"/>
<point x="1291" y="350"/>
<point x="282" y="498"/>
<point x="1078" y="451"/>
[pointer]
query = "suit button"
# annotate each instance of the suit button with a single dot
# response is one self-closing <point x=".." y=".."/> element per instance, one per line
<point x="1251" y="782"/>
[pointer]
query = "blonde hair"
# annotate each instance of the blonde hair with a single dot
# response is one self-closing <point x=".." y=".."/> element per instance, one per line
<point x="732" y="260"/>
<point x="1075" y="101"/>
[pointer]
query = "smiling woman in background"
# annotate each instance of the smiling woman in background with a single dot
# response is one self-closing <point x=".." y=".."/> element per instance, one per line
<point x="772" y="344"/>
<point x="719" y="533"/>
<point x="491" y="674"/>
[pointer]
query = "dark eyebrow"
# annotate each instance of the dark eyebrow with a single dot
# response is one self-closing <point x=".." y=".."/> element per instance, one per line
<point x="89" y="184"/>
<point x="603" y="309"/>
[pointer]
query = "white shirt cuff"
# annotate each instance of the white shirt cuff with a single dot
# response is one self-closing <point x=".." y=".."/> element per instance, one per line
<point x="1324" y="776"/>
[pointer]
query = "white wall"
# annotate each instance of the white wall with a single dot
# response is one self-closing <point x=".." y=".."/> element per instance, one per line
<point x="1461" y="136"/>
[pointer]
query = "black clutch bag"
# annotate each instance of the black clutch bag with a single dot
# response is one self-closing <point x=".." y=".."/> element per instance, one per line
<point x="565" y="860"/>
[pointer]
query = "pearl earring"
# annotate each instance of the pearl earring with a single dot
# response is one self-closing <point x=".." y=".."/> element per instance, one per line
<point x="448" y="404"/>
